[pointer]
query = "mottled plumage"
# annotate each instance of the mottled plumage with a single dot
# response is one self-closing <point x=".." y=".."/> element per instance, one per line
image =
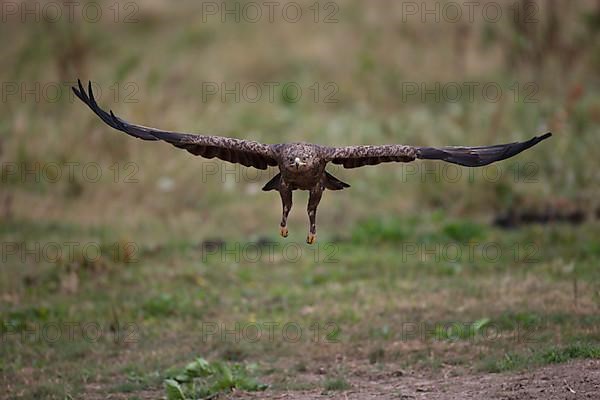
<point x="302" y="165"/>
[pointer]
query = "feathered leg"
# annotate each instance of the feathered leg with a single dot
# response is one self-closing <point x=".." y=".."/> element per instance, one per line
<point x="313" y="202"/>
<point x="286" y="201"/>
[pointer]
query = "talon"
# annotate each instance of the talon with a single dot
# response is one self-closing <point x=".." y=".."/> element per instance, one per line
<point x="283" y="231"/>
<point x="311" y="238"/>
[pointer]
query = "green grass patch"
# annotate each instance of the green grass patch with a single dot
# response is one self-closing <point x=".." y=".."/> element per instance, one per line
<point x="336" y="384"/>
<point x="517" y="361"/>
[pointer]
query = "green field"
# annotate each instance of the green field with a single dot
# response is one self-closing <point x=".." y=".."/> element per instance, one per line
<point x="123" y="260"/>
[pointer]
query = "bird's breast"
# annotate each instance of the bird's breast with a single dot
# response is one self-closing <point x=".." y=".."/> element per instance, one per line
<point x="301" y="179"/>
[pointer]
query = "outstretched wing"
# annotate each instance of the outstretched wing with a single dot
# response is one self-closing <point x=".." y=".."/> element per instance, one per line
<point x="358" y="156"/>
<point x="245" y="152"/>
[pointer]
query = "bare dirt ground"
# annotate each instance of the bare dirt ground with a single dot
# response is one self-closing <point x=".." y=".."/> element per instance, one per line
<point x="573" y="380"/>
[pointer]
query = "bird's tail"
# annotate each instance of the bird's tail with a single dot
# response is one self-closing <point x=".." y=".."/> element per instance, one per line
<point x="273" y="184"/>
<point x="333" y="183"/>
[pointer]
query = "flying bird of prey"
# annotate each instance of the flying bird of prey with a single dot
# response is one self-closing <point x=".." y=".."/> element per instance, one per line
<point x="302" y="165"/>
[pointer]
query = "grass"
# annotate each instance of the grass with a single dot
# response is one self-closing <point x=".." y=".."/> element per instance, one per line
<point x="421" y="313"/>
<point x="166" y="256"/>
<point x="336" y="384"/>
<point x="536" y="358"/>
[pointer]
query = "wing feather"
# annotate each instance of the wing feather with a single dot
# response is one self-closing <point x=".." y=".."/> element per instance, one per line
<point x="480" y="155"/>
<point x="244" y="152"/>
<point x="358" y="156"/>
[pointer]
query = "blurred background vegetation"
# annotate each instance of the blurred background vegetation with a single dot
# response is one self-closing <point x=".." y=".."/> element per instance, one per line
<point x="151" y="63"/>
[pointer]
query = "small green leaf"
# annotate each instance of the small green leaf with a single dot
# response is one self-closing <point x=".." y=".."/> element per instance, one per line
<point x="173" y="389"/>
<point x="199" y="367"/>
<point x="480" y="324"/>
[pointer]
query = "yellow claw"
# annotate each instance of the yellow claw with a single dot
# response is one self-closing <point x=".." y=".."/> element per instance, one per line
<point x="310" y="239"/>
<point x="283" y="231"/>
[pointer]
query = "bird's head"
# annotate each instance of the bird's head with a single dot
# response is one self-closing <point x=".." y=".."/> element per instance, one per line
<point x="299" y="157"/>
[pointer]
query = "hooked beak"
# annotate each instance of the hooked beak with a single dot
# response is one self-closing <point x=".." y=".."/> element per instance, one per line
<point x="298" y="163"/>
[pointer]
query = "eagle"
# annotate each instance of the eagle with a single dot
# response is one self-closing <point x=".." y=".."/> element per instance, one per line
<point x="302" y="166"/>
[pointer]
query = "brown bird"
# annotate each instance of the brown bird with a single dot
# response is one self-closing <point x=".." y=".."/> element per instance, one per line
<point x="302" y="165"/>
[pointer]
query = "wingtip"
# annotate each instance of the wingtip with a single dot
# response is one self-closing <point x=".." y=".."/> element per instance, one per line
<point x="90" y="92"/>
<point x="79" y="91"/>
<point x="541" y="138"/>
<point x="114" y="117"/>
